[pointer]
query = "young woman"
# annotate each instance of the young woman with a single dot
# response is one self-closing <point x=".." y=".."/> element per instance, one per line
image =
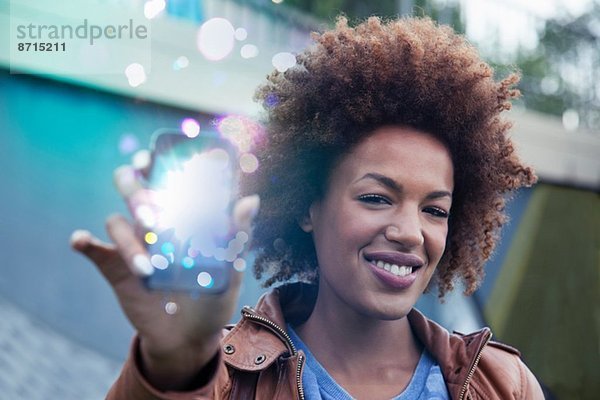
<point x="385" y="174"/>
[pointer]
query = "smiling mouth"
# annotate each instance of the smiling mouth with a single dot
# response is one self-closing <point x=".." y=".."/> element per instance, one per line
<point x="396" y="265"/>
<point x="395" y="269"/>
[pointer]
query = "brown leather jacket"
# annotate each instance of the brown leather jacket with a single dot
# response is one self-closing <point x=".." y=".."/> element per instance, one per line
<point x="258" y="360"/>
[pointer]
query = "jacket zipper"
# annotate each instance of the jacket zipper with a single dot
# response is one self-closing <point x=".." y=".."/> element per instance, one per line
<point x="249" y="313"/>
<point x="299" y="377"/>
<point x="463" y="391"/>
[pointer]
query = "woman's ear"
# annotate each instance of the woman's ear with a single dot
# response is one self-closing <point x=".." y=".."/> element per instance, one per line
<point x="305" y="222"/>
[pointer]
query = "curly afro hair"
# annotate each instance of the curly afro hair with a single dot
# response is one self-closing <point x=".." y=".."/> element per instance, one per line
<point x="407" y="72"/>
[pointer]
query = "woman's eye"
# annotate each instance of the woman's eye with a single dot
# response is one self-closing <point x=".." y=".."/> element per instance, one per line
<point x="436" y="212"/>
<point x="374" y="199"/>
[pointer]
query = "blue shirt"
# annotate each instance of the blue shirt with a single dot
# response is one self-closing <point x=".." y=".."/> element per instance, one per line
<point x="427" y="381"/>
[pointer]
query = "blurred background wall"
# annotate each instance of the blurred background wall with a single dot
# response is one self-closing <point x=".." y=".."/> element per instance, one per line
<point x="64" y="127"/>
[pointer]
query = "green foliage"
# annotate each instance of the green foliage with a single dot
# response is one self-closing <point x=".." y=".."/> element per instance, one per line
<point x="357" y="10"/>
<point x="564" y="70"/>
<point x="561" y="73"/>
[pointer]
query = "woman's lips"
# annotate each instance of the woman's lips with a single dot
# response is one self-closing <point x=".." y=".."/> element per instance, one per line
<point x="394" y="269"/>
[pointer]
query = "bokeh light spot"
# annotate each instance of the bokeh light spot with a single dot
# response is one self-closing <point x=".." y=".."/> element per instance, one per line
<point x="190" y="127"/>
<point x="187" y="262"/>
<point x="159" y="261"/>
<point x="220" y="254"/>
<point x="241" y="34"/>
<point x="150" y="238"/>
<point x="570" y="119"/>
<point x="249" y="51"/>
<point x="242" y="236"/>
<point x="167" y="248"/>
<point x="135" y="73"/>
<point x="128" y="143"/>
<point x="241" y="131"/>
<point x="181" y="63"/>
<point x="205" y="280"/>
<point x="239" y="264"/>
<point x="215" y="38"/>
<point x="153" y="7"/>
<point x="283" y="61"/>
<point x="271" y="100"/>
<point x="248" y="163"/>
<point x="171" y="308"/>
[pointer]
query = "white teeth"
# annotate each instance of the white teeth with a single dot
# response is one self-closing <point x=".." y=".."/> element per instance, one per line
<point x="402" y="270"/>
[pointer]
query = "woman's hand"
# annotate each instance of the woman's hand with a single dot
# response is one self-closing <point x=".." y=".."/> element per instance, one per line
<point x="174" y="347"/>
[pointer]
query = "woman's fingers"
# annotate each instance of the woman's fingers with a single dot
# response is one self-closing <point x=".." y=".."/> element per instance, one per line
<point x="127" y="181"/>
<point x="132" y="251"/>
<point x="104" y="255"/>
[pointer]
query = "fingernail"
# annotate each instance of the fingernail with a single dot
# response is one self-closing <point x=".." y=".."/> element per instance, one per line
<point x="80" y="236"/>
<point x="142" y="266"/>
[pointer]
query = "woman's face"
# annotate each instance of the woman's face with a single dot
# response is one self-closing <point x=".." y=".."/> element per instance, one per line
<point x="381" y="228"/>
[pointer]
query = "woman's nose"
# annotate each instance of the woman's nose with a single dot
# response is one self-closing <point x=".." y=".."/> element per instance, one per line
<point x="406" y="231"/>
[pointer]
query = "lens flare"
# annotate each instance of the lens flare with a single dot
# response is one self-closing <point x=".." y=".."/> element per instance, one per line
<point x="145" y="216"/>
<point x="200" y="187"/>
<point x="190" y="127"/>
<point x="216" y="39"/>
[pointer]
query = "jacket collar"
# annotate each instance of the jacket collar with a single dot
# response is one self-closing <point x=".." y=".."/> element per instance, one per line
<point x="260" y="342"/>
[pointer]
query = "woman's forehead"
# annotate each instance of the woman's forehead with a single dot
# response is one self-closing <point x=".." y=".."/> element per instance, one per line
<point x="400" y="151"/>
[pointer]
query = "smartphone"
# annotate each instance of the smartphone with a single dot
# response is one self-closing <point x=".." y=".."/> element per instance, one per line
<point x="193" y="183"/>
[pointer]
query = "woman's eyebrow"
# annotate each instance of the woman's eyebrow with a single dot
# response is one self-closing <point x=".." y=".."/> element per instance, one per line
<point x="383" y="180"/>
<point x="396" y="187"/>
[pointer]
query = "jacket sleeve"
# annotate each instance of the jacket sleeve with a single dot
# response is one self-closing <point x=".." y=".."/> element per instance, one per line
<point x="131" y="384"/>
<point x="531" y="386"/>
<point x="502" y="375"/>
